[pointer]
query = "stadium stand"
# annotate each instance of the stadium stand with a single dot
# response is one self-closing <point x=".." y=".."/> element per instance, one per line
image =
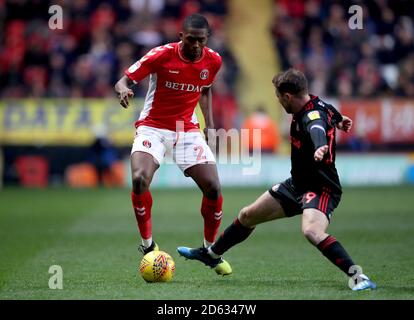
<point x="98" y="41"/>
<point x="377" y="60"/>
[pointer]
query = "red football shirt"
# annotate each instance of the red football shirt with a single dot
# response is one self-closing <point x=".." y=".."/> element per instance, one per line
<point x="175" y="85"/>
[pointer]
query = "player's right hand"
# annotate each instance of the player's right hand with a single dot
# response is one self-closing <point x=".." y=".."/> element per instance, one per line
<point x="124" y="96"/>
<point x="345" y="124"/>
<point x="320" y="153"/>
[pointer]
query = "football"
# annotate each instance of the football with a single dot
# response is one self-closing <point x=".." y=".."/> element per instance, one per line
<point x="157" y="266"/>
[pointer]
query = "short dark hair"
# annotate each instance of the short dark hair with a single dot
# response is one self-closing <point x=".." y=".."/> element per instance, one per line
<point x="291" y="81"/>
<point x="196" y="21"/>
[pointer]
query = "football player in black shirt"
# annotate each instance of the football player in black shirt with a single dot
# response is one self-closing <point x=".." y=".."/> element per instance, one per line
<point x="313" y="189"/>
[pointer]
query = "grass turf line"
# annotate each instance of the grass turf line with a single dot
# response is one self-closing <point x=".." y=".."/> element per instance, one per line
<point x="92" y="234"/>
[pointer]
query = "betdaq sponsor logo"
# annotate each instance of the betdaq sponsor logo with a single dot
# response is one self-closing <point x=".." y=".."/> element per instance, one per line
<point x="184" y="86"/>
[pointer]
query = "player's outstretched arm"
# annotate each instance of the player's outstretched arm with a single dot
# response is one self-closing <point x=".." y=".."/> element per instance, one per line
<point x="345" y="124"/>
<point x="123" y="89"/>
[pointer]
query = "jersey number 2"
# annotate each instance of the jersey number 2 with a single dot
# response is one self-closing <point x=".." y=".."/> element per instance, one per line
<point x="200" y="150"/>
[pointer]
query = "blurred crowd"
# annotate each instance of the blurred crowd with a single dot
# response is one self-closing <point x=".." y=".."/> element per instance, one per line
<point x="378" y="60"/>
<point x="99" y="40"/>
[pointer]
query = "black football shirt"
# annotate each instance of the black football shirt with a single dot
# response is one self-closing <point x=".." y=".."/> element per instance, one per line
<point x="308" y="174"/>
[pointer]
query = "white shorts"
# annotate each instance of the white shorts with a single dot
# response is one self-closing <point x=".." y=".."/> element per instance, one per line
<point x="186" y="149"/>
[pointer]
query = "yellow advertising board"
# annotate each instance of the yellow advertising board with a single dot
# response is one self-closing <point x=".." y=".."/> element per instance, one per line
<point x="66" y="121"/>
<point x="73" y="122"/>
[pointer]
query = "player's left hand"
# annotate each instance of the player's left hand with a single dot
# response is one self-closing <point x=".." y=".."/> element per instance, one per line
<point x="345" y="124"/>
<point x="320" y="153"/>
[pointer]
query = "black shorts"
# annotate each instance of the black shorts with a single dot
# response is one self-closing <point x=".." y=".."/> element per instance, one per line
<point x="294" y="202"/>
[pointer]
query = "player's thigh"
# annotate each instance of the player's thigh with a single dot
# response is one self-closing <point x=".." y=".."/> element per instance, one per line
<point x="205" y="175"/>
<point x="288" y="198"/>
<point x="147" y="153"/>
<point x="263" y="209"/>
<point x="148" y="141"/>
<point x="143" y="163"/>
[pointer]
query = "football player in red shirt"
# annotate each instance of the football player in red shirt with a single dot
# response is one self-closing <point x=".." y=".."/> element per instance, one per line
<point x="181" y="75"/>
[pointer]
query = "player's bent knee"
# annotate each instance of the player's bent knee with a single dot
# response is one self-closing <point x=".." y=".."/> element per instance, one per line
<point x="140" y="181"/>
<point x="212" y="189"/>
<point x="246" y="217"/>
<point x="312" y="234"/>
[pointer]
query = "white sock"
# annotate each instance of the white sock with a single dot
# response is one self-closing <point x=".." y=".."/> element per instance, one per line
<point x="212" y="254"/>
<point x="146" y="242"/>
<point x="207" y="244"/>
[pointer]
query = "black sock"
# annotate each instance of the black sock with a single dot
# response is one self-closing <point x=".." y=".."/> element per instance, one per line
<point x="234" y="234"/>
<point x="336" y="253"/>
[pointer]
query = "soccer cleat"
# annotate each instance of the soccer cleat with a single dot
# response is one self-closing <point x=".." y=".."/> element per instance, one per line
<point x="365" y="284"/>
<point x="223" y="268"/>
<point x="220" y="266"/>
<point x="152" y="247"/>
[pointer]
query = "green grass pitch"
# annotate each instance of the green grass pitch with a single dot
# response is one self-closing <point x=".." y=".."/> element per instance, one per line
<point x="93" y="236"/>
